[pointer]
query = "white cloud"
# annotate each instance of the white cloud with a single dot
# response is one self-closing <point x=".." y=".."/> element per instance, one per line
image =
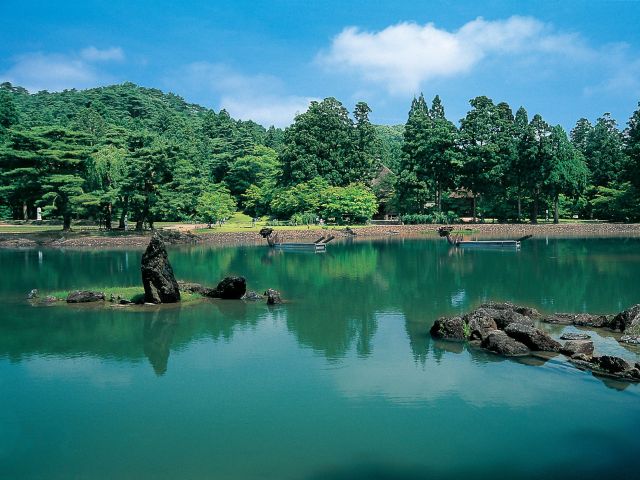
<point x="403" y="56"/>
<point x="54" y="71"/>
<point x="260" y="98"/>
<point x="93" y="54"/>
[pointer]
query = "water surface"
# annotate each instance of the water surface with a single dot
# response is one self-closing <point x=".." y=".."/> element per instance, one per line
<point x="343" y="382"/>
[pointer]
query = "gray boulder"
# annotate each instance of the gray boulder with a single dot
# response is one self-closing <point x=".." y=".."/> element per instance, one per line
<point x="532" y="337"/>
<point x="588" y="320"/>
<point x="84" y="296"/>
<point x="273" y="297"/>
<point x="611" y="364"/>
<point x="522" y="310"/>
<point x="231" y="288"/>
<point x="499" y="342"/>
<point x="450" y="328"/>
<point x="480" y="323"/>
<point x="160" y="285"/>
<point x="572" y="347"/>
<point x="627" y="321"/>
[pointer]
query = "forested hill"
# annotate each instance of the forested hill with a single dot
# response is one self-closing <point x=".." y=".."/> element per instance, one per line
<point x="125" y="149"/>
<point x="128" y="106"/>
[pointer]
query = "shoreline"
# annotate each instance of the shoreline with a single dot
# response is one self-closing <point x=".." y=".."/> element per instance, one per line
<point x="81" y="240"/>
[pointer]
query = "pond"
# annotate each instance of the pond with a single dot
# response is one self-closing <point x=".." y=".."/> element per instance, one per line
<point x="342" y="382"/>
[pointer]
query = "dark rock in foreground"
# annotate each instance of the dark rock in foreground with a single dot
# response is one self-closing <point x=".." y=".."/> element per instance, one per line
<point x="626" y="321"/>
<point x="532" y="337"/>
<point x="450" y="328"/>
<point x="231" y="288"/>
<point x="608" y="365"/>
<point x="84" y="296"/>
<point x="273" y="297"/>
<point x="160" y="285"/>
<point x="572" y="347"/>
<point x="499" y="342"/>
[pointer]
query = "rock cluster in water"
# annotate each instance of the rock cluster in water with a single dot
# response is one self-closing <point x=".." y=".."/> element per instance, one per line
<point x="510" y="330"/>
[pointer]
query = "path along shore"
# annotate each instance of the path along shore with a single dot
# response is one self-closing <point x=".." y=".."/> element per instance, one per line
<point x="182" y="235"/>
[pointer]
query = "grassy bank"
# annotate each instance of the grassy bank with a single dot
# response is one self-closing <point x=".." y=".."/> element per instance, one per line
<point x="131" y="294"/>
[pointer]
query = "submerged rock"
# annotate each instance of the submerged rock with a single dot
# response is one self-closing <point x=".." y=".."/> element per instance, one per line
<point x="450" y="328"/>
<point x="579" y="319"/>
<point x="160" y="285"/>
<point x="499" y="342"/>
<point x="560" y="318"/>
<point x="630" y="339"/>
<point x="84" y="296"/>
<point x="573" y="347"/>
<point x="252" y="295"/>
<point x="575" y="336"/>
<point x="532" y="337"/>
<point x="273" y="297"/>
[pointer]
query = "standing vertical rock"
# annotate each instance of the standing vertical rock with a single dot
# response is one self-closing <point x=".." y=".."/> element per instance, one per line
<point x="160" y="285"/>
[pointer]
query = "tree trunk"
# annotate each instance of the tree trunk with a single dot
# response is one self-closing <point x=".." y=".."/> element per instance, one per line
<point x="555" y="209"/>
<point x="519" y="208"/>
<point x="474" y="208"/>
<point x="107" y="217"/>
<point x="139" y="223"/>
<point x="534" y="210"/>
<point x="66" y="222"/>
<point x="25" y="211"/>
<point x="439" y="199"/>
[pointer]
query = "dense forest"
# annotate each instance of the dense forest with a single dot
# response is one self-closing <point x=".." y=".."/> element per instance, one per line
<point x="125" y="151"/>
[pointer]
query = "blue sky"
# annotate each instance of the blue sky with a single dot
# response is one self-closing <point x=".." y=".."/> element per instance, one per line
<point x="264" y="60"/>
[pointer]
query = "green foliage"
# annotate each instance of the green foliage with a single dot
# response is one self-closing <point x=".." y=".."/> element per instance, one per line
<point x="215" y="206"/>
<point x="618" y="204"/>
<point x="324" y="142"/>
<point x="354" y="203"/>
<point x="430" y="218"/>
<point x="259" y="166"/>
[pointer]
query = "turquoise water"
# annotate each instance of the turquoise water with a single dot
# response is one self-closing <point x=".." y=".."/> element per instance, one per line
<point x="342" y="382"/>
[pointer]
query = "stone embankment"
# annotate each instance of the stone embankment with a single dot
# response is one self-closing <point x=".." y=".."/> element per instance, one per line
<point x="182" y="234"/>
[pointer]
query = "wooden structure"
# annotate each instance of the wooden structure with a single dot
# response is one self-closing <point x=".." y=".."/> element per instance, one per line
<point x="318" y="246"/>
<point x="457" y="240"/>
